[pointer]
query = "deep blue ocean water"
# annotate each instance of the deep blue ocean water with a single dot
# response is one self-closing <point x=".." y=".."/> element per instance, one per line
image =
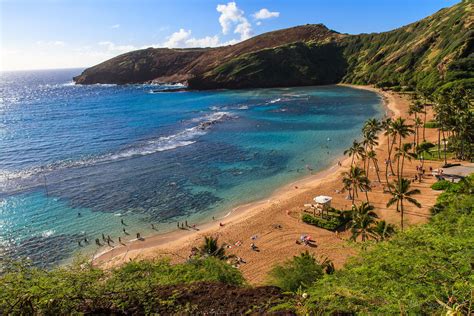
<point x="76" y="160"/>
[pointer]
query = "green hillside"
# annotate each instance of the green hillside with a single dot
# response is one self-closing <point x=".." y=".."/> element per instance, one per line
<point x="425" y="55"/>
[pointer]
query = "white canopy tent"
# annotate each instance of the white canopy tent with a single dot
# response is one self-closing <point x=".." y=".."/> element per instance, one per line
<point x="323" y="199"/>
<point x="323" y="203"/>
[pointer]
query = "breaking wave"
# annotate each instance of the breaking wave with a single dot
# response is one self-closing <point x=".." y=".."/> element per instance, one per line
<point x="183" y="138"/>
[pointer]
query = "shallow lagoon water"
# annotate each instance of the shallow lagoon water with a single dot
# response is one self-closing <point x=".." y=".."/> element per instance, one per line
<point x="76" y="160"/>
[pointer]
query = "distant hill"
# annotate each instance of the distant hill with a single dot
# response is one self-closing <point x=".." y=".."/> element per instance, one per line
<point x="426" y="54"/>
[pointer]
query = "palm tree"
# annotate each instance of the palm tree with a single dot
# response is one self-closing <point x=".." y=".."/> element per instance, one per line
<point x="356" y="180"/>
<point x="426" y="96"/>
<point x="387" y="126"/>
<point x="401" y="192"/>
<point x="401" y="129"/>
<point x="417" y="123"/>
<point x="415" y="108"/>
<point x="362" y="222"/>
<point x="404" y="152"/>
<point x="372" y="156"/>
<point x="383" y="230"/>
<point x="356" y="150"/>
<point x="372" y="126"/>
<point x="211" y="248"/>
<point x="369" y="142"/>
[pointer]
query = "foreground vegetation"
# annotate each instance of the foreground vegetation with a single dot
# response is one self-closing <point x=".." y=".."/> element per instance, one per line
<point x="423" y="270"/>
<point x="82" y="287"/>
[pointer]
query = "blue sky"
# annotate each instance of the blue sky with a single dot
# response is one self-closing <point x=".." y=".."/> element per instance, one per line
<point x="40" y="34"/>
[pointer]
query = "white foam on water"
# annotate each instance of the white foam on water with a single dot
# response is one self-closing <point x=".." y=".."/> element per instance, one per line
<point x="47" y="233"/>
<point x="183" y="138"/>
<point x="274" y="100"/>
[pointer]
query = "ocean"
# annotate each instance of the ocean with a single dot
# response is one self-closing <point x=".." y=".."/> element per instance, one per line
<point x="76" y="161"/>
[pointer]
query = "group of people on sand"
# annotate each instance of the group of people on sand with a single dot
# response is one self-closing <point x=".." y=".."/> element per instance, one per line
<point x="184" y="225"/>
<point x="109" y="241"/>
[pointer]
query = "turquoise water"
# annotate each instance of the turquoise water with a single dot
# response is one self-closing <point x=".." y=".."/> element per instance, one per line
<point x="76" y="160"/>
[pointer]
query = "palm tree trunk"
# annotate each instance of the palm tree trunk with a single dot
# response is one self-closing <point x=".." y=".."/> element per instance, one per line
<point x="353" y="195"/>
<point x="417" y="136"/>
<point x="390" y="155"/>
<point x="368" y="166"/>
<point x="403" y="161"/>
<point x="424" y="122"/>
<point x="439" y="143"/>
<point x="444" y="147"/>
<point x="367" y="195"/>
<point x="377" y="170"/>
<point x="402" y="212"/>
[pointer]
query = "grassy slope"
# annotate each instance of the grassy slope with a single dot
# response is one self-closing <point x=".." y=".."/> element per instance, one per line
<point x="426" y="54"/>
<point x="415" y="272"/>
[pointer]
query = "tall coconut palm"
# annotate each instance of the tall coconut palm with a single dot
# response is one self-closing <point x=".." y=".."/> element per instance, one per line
<point x="415" y="108"/>
<point x="362" y="222"/>
<point x="355" y="151"/>
<point x="372" y="126"/>
<point x="369" y="142"/>
<point x="417" y="123"/>
<point x="426" y="96"/>
<point x="401" y="191"/>
<point x="402" y="130"/>
<point x="403" y="152"/>
<point x="356" y="180"/>
<point x="387" y="126"/>
<point x="372" y="156"/>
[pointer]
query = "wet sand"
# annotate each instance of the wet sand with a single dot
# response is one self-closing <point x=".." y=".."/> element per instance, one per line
<point x="276" y="222"/>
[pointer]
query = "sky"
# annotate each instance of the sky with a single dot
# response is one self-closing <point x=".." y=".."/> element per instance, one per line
<point x="48" y="34"/>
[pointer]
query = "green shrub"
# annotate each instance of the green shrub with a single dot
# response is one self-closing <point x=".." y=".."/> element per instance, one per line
<point x="432" y="124"/>
<point x="424" y="270"/>
<point x="299" y="272"/>
<point x="81" y="287"/>
<point x="425" y="146"/>
<point x="441" y="185"/>
<point x="332" y="222"/>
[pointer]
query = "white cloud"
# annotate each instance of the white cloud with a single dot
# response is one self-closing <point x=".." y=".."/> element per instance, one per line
<point x="208" y="41"/>
<point x="231" y="15"/>
<point x="258" y="23"/>
<point x="116" y="48"/>
<point x="50" y="43"/>
<point x="115" y="26"/>
<point x="183" y="39"/>
<point x="177" y="39"/>
<point x="264" y="14"/>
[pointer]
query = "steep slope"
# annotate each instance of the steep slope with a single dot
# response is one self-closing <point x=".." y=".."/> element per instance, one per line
<point x="171" y="65"/>
<point x="426" y="54"/>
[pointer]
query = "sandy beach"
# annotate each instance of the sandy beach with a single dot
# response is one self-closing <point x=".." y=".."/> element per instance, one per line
<point x="275" y="222"/>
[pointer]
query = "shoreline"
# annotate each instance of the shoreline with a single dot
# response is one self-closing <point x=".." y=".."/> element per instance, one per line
<point x="234" y="214"/>
<point x="281" y="208"/>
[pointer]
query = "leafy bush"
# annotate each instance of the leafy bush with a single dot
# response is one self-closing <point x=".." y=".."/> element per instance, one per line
<point x="424" y="270"/>
<point x="441" y="185"/>
<point x="425" y="146"/>
<point x="332" y="223"/>
<point x="299" y="272"/>
<point x="82" y="287"/>
<point x="432" y="124"/>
